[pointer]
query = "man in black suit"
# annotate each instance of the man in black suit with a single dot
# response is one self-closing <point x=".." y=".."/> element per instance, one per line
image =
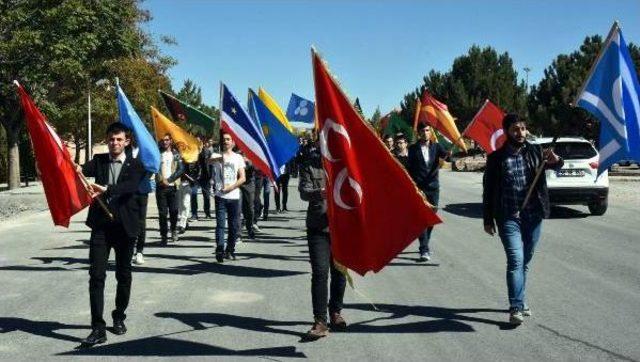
<point x="423" y="165"/>
<point x="117" y="178"/>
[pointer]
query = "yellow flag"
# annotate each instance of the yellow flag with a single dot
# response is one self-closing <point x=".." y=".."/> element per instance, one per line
<point x="187" y="145"/>
<point x="274" y="108"/>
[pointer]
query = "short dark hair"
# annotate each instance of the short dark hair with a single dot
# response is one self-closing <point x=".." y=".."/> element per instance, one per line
<point x="117" y="127"/>
<point x="422" y="126"/>
<point x="510" y="119"/>
<point x="387" y="136"/>
<point x="400" y="137"/>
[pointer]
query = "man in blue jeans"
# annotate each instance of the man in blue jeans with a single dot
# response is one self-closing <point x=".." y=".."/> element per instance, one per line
<point x="509" y="175"/>
<point x="227" y="198"/>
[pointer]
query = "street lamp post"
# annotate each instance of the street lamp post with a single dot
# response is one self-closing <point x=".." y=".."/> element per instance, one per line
<point x="527" y="70"/>
<point x="89" y="122"/>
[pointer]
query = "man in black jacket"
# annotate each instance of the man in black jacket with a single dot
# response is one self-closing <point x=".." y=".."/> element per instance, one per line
<point x="509" y="174"/>
<point x="117" y="178"/>
<point x="312" y="188"/>
<point x="423" y="164"/>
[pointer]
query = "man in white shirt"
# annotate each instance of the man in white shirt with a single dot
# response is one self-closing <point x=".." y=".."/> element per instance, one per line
<point x="227" y="199"/>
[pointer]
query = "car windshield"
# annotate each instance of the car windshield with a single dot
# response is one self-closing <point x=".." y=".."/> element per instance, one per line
<point x="573" y="150"/>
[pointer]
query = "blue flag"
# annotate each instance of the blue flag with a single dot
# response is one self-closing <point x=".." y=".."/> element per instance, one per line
<point x="148" y="152"/>
<point x="300" y="109"/>
<point x="282" y="144"/>
<point x="612" y="95"/>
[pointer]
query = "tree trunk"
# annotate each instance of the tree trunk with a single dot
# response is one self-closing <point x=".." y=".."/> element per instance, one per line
<point x="13" y="158"/>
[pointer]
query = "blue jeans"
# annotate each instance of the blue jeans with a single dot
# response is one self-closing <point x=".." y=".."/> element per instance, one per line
<point x="519" y="237"/>
<point x="229" y="210"/>
<point x="433" y="196"/>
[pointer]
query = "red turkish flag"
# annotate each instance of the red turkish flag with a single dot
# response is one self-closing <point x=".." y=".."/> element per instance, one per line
<point x="375" y="210"/>
<point x="486" y="127"/>
<point x="63" y="188"/>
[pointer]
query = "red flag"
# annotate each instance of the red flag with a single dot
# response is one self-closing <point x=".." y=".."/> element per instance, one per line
<point x="486" y="127"/>
<point x="65" y="192"/>
<point x="375" y="210"/>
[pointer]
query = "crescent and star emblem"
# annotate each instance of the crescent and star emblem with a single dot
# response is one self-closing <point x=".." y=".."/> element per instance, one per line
<point x="494" y="138"/>
<point x="343" y="175"/>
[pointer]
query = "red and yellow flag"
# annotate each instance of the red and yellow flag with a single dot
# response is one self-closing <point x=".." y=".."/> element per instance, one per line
<point x="436" y="114"/>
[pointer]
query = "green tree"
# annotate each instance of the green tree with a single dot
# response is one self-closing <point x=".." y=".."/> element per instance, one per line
<point x="58" y="50"/>
<point x="550" y="101"/>
<point x="480" y="74"/>
<point x="375" y="118"/>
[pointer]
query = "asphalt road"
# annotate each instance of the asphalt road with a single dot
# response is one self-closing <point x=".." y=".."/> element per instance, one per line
<point x="584" y="291"/>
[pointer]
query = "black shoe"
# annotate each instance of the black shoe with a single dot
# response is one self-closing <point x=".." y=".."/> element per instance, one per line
<point x="219" y="257"/>
<point x="97" y="336"/>
<point x="230" y="255"/>
<point x="181" y="230"/>
<point x="251" y="234"/>
<point x="118" y="327"/>
<point x="163" y="241"/>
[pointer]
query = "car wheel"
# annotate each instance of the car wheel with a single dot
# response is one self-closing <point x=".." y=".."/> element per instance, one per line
<point x="598" y="208"/>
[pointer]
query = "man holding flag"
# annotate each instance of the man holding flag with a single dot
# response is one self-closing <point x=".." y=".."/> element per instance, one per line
<point x="117" y="178"/>
<point x="509" y="175"/>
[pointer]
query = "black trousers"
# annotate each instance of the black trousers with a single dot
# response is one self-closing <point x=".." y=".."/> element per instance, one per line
<point x="321" y="266"/>
<point x="283" y="188"/>
<point x="143" y="201"/>
<point x="248" y="207"/>
<point x="167" y="202"/>
<point x="100" y="244"/>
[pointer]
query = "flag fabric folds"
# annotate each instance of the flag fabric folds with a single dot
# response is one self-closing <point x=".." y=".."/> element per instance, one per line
<point x="148" y="153"/>
<point x="187" y="145"/>
<point x="362" y="180"/>
<point x="281" y="143"/>
<point x="246" y="133"/>
<point x="274" y="108"/>
<point x="486" y="127"/>
<point x="63" y="187"/>
<point x="612" y="94"/>
<point x="184" y="112"/>
<point x="436" y="114"/>
<point x="300" y="110"/>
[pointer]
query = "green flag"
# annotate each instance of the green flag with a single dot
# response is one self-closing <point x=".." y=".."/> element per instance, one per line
<point x="183" y="112"/>
<point x="397" y="125"/>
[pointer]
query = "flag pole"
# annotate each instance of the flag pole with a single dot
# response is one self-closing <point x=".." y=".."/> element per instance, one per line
<point x="537" y="177"/>
<point x="416" y="115"/>
<point x="608" y="40"/>
<point x="86" y="184"/>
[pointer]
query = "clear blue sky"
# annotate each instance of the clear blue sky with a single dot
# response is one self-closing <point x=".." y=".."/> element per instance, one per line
<point x="379" y="50"/>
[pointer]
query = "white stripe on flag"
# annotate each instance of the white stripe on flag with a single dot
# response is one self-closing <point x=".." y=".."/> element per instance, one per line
<point x="244" y="136"/>
<point x="609" y="149"/>
<point x="606" y="112"/>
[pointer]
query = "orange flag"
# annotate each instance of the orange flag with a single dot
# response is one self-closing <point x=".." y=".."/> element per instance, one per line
<point x="362" y="179"/>
<point x="436" y="114"/>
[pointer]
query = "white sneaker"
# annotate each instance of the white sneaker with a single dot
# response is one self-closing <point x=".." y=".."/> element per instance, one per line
<point x="255" y="228"/>
<point x="424" y="257"/>
<point x="526" y="311"/>
<point x="516" y="317"/>
<point x="139" y="258"/>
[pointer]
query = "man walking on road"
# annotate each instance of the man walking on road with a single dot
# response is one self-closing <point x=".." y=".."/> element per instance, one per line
<point x="509" y="175"/>
<point x="423" y="164"/>
<point x="312" y="189"/>
<point x="227" y="199"/>
<point x="117" y="179"/>
<point x="171" y="168"/>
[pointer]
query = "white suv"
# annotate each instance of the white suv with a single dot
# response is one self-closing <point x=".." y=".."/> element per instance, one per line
<point x="577" y="183"/>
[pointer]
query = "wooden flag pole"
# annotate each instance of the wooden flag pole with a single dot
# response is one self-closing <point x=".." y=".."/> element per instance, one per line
<point x="537" y="177"/>
<point x="86" y="184"/>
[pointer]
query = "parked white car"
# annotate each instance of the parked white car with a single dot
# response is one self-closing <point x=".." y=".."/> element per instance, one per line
<point x="577" y="183"/>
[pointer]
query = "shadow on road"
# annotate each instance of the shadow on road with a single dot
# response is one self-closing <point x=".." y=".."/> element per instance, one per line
<point x="39" y="328"/>
<point x="163" y="346"/>
<point x="440" y="319"/>
<point x="467" y="209"/>
<point x="196" y="267"/>
<point x="561" y="212"/>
